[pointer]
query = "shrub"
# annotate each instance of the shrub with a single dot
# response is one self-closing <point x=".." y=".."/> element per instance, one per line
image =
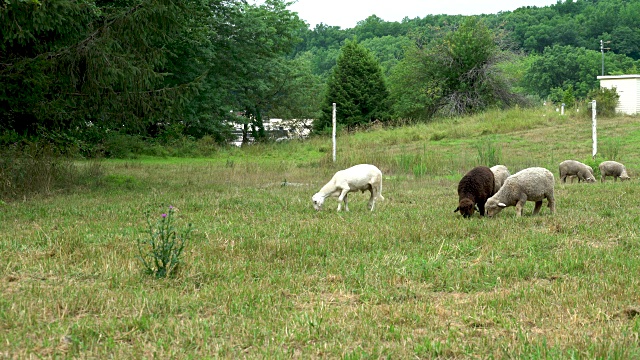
<point x="594" y="163"/>
<point x="606" y="102"/>
<point x="123" y="146"/>
<point x="37" y="168"/>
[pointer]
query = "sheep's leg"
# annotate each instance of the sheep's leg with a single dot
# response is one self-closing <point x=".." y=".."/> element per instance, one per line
<point x="536" y="209"/>
<point x="372" y="198"/>
<point x="343" y="198"/>
<point x="519" y="207"/>
<point x="346" y="205"/>
<point x="481" y="209"/>
<point x="552" y="204"/>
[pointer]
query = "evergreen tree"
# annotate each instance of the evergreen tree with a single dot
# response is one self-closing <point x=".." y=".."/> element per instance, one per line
<point x="357" y="87"/>
<point x="66" y="64"/>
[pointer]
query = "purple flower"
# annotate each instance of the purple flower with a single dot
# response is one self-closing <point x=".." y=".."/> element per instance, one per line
<point x="170" y="207"/>
<point x="164" y="215"/>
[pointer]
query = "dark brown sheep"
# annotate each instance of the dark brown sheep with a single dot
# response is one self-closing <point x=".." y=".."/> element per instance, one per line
<point x="474" y="189"/>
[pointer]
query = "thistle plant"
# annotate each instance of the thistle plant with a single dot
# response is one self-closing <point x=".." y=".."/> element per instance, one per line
<point x="160" y="253"/>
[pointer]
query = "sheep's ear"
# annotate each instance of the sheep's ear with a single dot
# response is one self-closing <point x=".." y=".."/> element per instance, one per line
<point x="502" y="205"/>
<point x="457" y="209"/>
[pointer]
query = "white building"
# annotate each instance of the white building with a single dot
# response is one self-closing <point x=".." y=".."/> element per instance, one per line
<point x="628" y="87"/>
<point x="281" y="129"/>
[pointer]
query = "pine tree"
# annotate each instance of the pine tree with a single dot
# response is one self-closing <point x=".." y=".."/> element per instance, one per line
<point x="357" y="87"/>
<point x="69" y="63"/>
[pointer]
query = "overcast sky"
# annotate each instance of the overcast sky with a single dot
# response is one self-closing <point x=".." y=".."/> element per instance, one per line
<point x="347" y="13"/>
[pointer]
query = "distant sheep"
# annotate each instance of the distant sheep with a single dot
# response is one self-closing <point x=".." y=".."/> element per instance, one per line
<point x="532" y="184"/>
<point x="474" y="189"/>
<point x="570" y="168"/>
<point x="613" y="168"/>
<point x="500" y="174"/>
<point x="356" y="178"/>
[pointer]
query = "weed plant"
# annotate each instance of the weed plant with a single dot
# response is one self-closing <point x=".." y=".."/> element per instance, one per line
<point x="161" y="252"/>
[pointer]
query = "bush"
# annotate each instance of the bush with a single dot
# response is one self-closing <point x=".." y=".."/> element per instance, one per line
<point x="122" y="146"/>
<point x="606" y="102"/>
<point x="37" y="168"/>
<point x="594" y="163"/>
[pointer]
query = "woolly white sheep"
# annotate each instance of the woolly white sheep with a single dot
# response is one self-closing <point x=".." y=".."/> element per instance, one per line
<point x="570" y="168"/>
<point x="532" y="184"/>
<point x="500" y="174"/>
<point x="356" y="178"/>
<point x="613" y="168"/>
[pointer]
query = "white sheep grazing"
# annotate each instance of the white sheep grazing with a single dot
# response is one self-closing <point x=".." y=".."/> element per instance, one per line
<point x="500" y="174"/>
<point x="356" y="178"/>
<point x="613" y="168"/>
<point x="570" y="168"/>
<point x="532" y="184"/>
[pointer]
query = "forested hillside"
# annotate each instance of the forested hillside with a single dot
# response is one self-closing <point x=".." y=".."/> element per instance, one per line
<point x="93" y="73"/>
<point x="555" y="48"/>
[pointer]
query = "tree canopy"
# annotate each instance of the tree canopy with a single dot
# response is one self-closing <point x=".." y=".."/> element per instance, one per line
<point x="451" y="75"/>
<point x="88" y="68"/>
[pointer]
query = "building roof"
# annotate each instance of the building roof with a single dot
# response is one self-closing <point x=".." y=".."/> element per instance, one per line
<point x="614" y="77"/>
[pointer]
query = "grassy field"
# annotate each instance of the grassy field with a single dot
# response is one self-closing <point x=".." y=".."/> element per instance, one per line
<point x="265" y="276"/>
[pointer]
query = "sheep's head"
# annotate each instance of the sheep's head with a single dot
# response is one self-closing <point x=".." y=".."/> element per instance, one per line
<point x="492" y="207"/>
<point x="624" y="176"/>
<point x="590" y="179"/>
<point x="466" y="207"/>
<point x="318" y="200"/>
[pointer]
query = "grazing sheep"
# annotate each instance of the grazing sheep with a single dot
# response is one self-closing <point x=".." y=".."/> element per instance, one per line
<point x="572" y="168"/>
<point x="500" y="174"/>
<point x="359" y="177"/>
<point x="474" y="189"/>
<point x="532" y="184"/>
<point x="613" y="168"/>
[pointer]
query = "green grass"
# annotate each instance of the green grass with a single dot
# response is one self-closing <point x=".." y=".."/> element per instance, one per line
<point x="265" y="276"/>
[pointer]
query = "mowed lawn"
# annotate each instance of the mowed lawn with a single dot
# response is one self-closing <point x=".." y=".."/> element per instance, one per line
<point x="265" y="276"/>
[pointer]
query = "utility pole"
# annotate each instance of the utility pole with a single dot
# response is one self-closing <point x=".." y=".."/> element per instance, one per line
<point x="602" y="49"/>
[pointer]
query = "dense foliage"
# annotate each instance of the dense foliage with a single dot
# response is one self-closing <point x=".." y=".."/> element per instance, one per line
<point x="89" y="73"/>
<point x="91" y="69"/>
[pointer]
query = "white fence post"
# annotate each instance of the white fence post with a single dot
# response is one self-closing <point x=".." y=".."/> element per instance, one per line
<point x="562" y="111"/>
<point x="333" y="135"/>
<point x="593" y="129"/>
